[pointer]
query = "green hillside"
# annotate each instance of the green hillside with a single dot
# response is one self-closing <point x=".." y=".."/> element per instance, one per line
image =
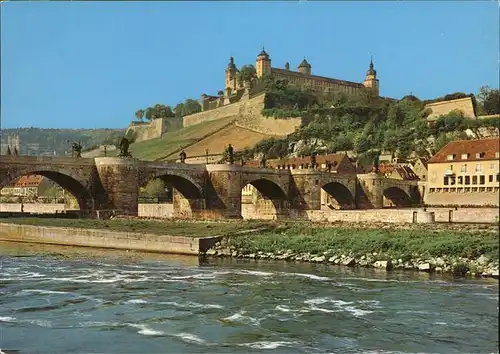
<point x="160" y="148"/>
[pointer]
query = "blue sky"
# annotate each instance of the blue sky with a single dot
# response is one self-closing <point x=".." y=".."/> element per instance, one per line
<point x="92" y="65"/>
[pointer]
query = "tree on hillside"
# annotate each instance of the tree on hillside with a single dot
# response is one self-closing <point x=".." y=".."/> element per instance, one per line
<point x="139" y="114"/>
<point x="246" y="73"/>
<point x="489" y="100"/>
<point x="189" y="106"/>
<point x="159" y="111"/>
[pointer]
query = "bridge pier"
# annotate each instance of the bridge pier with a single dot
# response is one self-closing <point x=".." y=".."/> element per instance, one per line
<point x="371" y="191"/>
<point x="119" y="178"/>
<point x="305" y="191"/>
<point x="223" y="191"/>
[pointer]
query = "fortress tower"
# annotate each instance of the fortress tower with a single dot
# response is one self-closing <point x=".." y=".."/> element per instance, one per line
<point x="231" y="72"/>
<point x="304" y="67"/>
<point x="263" y="64"/>
<point x="371" y="81"/>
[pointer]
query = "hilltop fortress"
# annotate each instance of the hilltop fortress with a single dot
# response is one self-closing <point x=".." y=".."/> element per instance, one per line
<point x="236" y="90"/>
<point x="244" y="99"/>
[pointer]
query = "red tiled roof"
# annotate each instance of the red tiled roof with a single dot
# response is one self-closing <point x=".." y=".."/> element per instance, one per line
<point x="29" y="181"/>
<point x="472" y="147"/>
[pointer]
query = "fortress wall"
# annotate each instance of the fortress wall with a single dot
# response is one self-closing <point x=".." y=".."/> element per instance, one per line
<point x="444" y="107"/>
<point x="155" y="129"/>
<point x="213" y="114"/>
<point x="248" y="115"/>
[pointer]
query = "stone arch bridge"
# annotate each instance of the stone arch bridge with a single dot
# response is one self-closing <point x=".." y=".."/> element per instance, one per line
<point x="205" y="191"/>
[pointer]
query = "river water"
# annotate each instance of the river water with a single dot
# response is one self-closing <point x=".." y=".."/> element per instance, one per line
<point x="74" y="300"/>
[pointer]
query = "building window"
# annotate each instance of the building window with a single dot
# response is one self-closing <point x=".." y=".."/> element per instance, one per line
<point x="474" y="189"/>
<point x="467" y="189"/>
<point x="432" y="190"/>
<point x="481" y="179"/>
<point x="463" y="168"/>
<point x="465" y="156"/>
<point x="490" y="178"/>
<point x="492" y="166"/>
<point x="497" y="154"/>
<point x="498" y="177"/>
<point x="445" y="189"/>
<point x="481" y="189"/>
<point x="479" y="155"/>
<point x="474" y="179"/>
<point x="467" y="180"/>
<point x="479" y="168"/>
<point x="445" y="182"/>
<point x="450" y="157"/>
<point x="460" y="180"/>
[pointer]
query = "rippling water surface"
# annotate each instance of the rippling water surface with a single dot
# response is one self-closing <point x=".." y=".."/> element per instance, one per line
<point x="55" y="300"/>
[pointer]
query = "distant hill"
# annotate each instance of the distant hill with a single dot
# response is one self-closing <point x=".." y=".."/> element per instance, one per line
<point x="42" y="141"/>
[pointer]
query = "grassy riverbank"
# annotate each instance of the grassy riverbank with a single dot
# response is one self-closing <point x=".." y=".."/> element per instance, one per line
<point x="404" y="243"/>
<point x="472" y="251"/>
<point x="167" y="227"/>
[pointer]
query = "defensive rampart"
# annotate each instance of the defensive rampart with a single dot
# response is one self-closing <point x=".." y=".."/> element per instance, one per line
<point x="247" y="115"/>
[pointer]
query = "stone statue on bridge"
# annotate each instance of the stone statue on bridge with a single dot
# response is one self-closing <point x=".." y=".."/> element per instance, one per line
<point x="76" y="150"/>
<point x="376" y="164"/>
<point x="313" y="159"/>
<point x="183" y="156"/>
<point x="328" y="165"/>
<point x="230" y="154"/>
<point x="263" y="161"/>
<point x="124" y="144"/>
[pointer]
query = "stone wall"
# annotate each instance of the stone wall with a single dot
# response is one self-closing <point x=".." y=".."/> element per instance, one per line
<point x="162" y="211"/>
<point x="465" y="215"/>
<point x="248" y="115"/>
<point x="33" y="208"/>
<point x="154" y="129"/>
<point x="105" y="239"/>
<point x="444" y="107"/>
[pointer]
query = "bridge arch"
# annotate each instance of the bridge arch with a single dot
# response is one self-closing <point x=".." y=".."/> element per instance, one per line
<point x="262" y="198"/>
<point x="187" y="194"/>
<point x="397" y="197"/>
<point x="66" y="178"/>
<point x="335" y="195"/>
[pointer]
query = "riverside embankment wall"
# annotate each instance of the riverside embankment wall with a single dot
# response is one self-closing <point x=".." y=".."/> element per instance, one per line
<point x="38" y="208"/>
<point x="463" y="215"/>
<point x="106" y="239"/>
